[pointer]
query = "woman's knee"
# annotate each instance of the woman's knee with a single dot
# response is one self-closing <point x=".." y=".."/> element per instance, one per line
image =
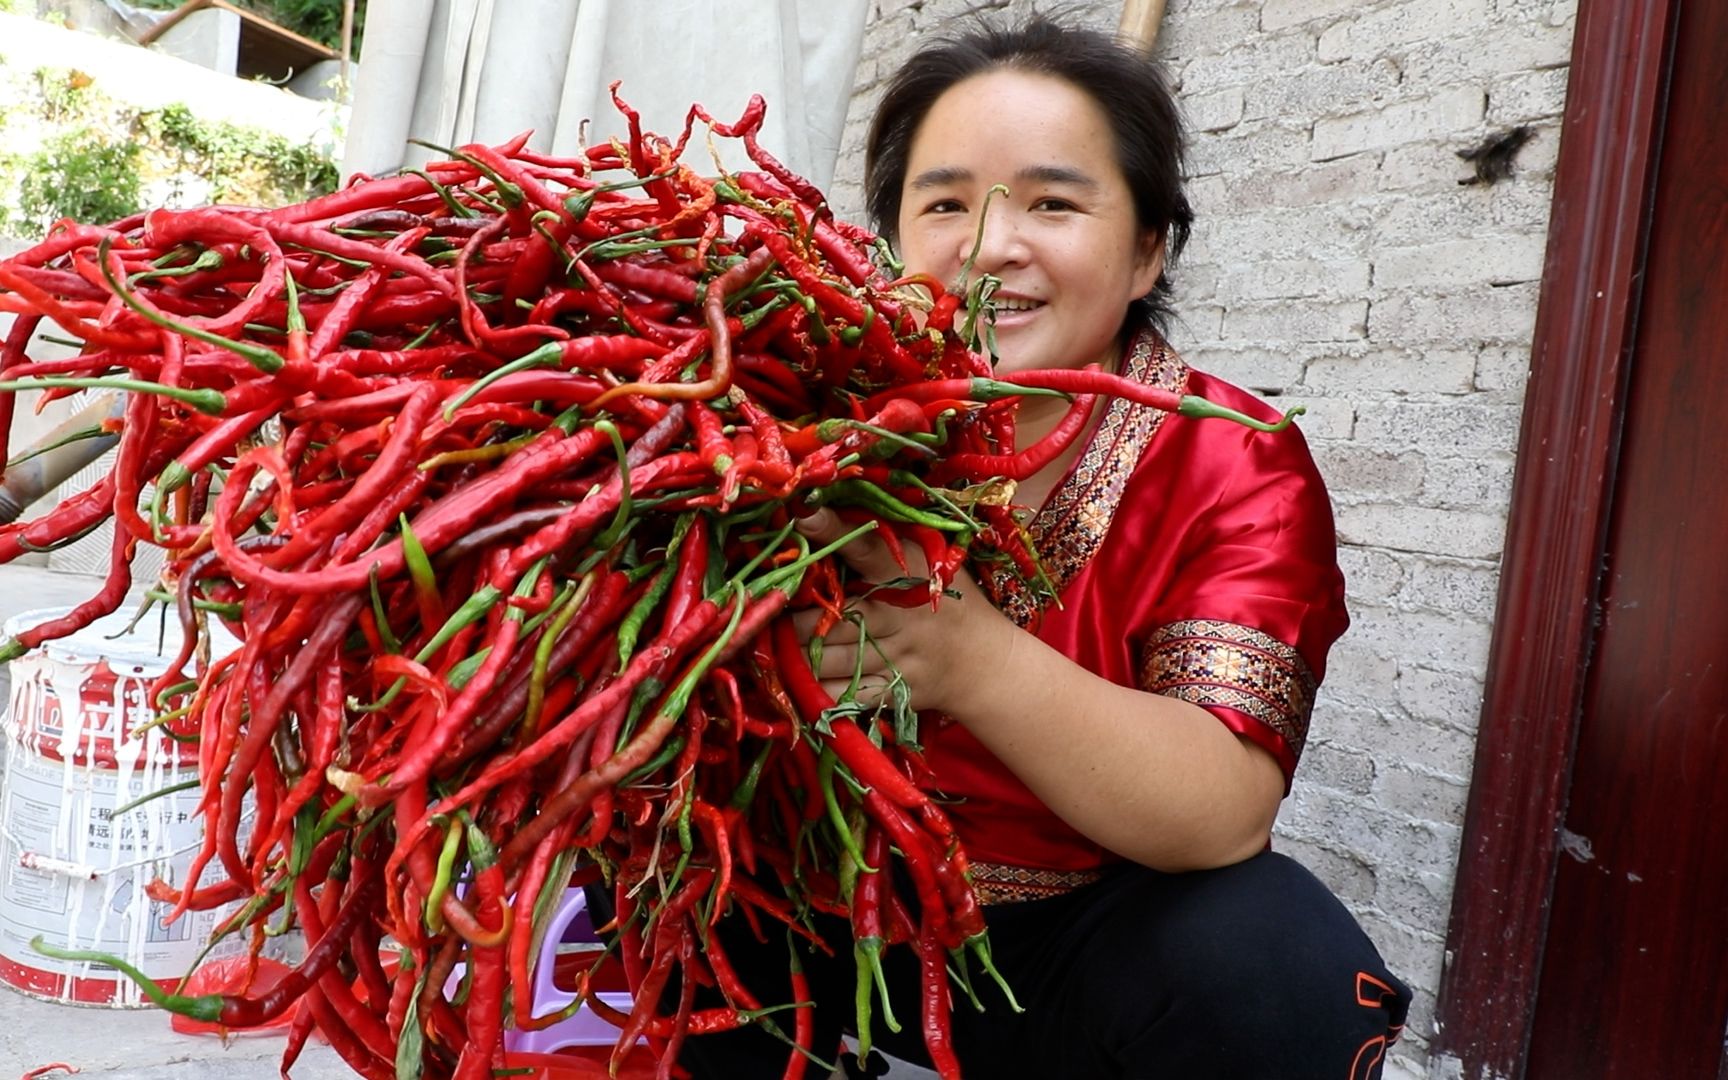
<point x="1250" y="962"/>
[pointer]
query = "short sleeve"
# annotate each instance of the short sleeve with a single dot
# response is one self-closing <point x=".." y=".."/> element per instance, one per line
<point x="1255" y="599"/>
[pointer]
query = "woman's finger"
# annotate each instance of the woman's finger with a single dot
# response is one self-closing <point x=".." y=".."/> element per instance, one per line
<point x="843" y="632"/>
<point x="867" y="554"/>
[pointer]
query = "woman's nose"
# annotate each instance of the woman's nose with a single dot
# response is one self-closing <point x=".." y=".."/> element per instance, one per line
<point x="999" y="240"/>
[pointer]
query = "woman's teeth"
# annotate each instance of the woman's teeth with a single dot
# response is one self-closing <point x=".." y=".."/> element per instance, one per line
<point x="1005" y="304"/>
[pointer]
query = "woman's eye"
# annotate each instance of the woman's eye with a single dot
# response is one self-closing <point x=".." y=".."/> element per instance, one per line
<point x="945" y="206"/>
<point x="1050" y="202"/>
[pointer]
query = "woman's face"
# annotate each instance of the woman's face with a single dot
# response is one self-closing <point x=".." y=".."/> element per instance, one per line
<point x="1064" y="242"/>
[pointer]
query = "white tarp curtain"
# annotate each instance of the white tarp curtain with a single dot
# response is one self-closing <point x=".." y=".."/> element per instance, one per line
<point x="462" y="71"/>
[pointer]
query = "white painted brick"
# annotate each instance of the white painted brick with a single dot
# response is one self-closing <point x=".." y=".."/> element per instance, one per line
<point x="1343" y="873"/>
<point x="1306" y="320"/>
<point x="1515" y="46"/>
<point x="1278" y="279"/>
<point x="1262" y="145"/>
<point x="1338" y="768"/>
<point x="1215" y="111"/>
<point x="1334" y="43"/>
<point x="1469" y="482"/>
<point x="1408" y="1058"/>
<point x="1359" y="826"/>
<point x="1449" y="698"/>
<point x="942" y="16"/>
<point x="1444" y="585"/>
<point x="1407" y="220"/>
<point x="1365" y="727"/>
<point x="1419" y="528"/>
<point x="1441" y="642"/>
<point x="1413" y="955"/>
<point x="1255" y="369"/>
<point x="1208" y="33"/>
<point x="1353" y="472"/>
<point x="1323" y="182"/>
<point x="1401" y="24"/>
<point x="1189" y="8"/>
<point x="1520" y="207"/>
<point x="1328" y="418"/>
<point x="1310" y="232"/>
<point x="1249" y="59"/>
<point x="1541" y="154"/>
<point x="1414" y="899"/>
<point x="1447" y="113"/>
<point x="1281" y="14"/>
<point x="1424" y="167"/>
<point x="1493" y="314"/>
<point x="1547" y="12"/>
<point x="1322" y="91"/>
<point x="1489" y="260"/>
<point x="1193" y="284"/>
<point x="1459" y="427"/>
<point x="1422" y="795"/>
<point x="1357" y="674"/>
<point x="1370" y="574"/>
<point x="1527" y="96"/>
<point x="1440" y="748"/>
<point x="1503" y="368"/>
<point x="1196" y="324"/>
<point x="1209" y="194"/>
<point x="1436" y="370"/>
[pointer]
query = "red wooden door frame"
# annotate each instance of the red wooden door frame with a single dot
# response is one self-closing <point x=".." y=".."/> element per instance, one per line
<point x="1551" y="574"/>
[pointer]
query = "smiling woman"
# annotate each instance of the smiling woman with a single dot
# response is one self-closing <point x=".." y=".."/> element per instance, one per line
<point x="1113" y="763"/>
<point x="1062" y="238"/>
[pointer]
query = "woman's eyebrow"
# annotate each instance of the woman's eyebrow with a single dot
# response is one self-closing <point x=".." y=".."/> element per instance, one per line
<point x="944" y="175"/>
<point x="1056" y="174"/>
<point x="940" y="176"/>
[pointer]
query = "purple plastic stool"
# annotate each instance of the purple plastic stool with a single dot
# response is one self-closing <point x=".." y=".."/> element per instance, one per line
<point x="570" y="923"/>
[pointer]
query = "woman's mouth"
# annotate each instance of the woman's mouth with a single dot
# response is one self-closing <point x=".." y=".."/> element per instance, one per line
<point x="1008" y="305"/>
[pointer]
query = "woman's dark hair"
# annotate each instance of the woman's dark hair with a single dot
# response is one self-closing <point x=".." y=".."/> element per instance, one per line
<point x="1128" y="85"/>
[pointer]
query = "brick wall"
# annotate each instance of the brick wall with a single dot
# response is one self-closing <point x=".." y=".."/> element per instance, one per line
<point x="1338" y="262"/>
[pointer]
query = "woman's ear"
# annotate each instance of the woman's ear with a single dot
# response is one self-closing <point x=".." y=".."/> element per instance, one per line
<point x="1148" y="262"/>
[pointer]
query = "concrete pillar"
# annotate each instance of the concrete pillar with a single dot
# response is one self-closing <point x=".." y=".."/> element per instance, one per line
<point x="209" y="38"/>
<point x="318" y="81"/>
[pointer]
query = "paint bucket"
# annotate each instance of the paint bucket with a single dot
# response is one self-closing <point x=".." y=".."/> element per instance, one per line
<point x="72" y="869"/>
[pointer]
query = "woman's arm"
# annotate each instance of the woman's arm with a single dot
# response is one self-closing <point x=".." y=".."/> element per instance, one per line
<point x="1154" y="779"/>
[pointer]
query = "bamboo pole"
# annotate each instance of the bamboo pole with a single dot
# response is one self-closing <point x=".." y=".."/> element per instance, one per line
<point x="347" y="48"/>
<point x="1139" y="25"/>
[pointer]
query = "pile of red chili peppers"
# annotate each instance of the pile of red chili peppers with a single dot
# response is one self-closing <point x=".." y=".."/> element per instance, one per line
<point x="492" y="468"/>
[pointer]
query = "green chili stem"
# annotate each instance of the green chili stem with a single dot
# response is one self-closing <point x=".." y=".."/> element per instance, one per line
<point x="441" y="880"/>
<point x="263" y="359"/>
<point x="206" y="1007"/>
<point x="544" y="356"/>
<point x="80" y="435"/>
<point x="210" y="402"/>
<point x="1207" y="410"/>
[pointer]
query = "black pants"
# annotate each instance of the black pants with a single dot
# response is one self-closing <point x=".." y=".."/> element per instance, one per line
<point x="1251" y="972"/>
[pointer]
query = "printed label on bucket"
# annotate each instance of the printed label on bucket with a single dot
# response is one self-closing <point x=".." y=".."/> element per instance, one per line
<point x="77" y="847"/>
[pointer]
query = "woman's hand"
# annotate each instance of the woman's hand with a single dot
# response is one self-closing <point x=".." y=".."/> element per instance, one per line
<point x="937" y="650"/>
<point x="1154" y="779"/>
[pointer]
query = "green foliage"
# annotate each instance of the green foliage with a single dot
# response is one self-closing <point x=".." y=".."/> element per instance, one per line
<point x="87" y="170"/>
<point x="80" y="174"/>
<point x="320" y="20"/>
<point x="243" y="164"/>
<point x="99" y="160"/>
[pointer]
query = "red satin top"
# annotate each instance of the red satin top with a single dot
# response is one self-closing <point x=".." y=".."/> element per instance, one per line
<point x="1194" y="558"/>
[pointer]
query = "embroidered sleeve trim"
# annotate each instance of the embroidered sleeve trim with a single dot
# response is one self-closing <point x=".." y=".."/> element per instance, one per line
<point x="1207" y="662"/>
